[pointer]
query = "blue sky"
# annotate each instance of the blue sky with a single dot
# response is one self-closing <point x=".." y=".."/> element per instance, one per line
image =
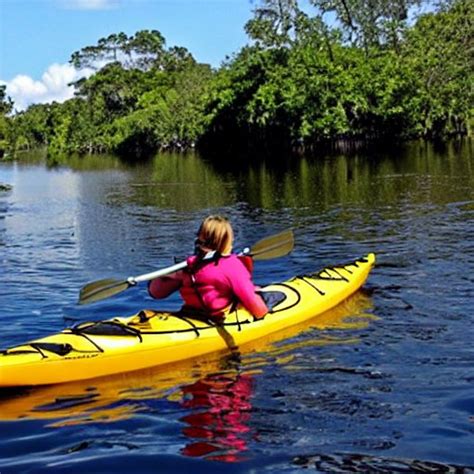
<point x="37" y="37"/>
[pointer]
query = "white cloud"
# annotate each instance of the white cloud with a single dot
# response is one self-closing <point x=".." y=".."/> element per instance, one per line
<point x="53" y="86"/>
<point x="89" y="4"/>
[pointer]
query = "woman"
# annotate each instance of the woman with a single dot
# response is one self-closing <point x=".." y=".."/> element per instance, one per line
<point x="215" y="278"/>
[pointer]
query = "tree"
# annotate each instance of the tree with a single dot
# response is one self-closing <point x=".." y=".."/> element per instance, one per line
<point x="31" y="128"/>
<point x="439" y="53"/>
<point x="370" y="23"/>
<point x="110" y="49"/>
<point x="171" y="114"/>
<point x="111" y="92"/>
<point x="6" y="106"/>
<point x="144" y="51"/>
<point x="274" y="23"/>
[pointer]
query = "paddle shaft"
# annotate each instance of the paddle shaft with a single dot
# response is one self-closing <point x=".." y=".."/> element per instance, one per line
<point x="269" y="247"/>
<point x="179" y="266"/>
<point x="158" y="273"/>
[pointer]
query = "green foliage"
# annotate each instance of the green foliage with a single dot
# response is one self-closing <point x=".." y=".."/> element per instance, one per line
<point x="6" y="106"/>
<point x="274" y="23"/>
<point x="390" y="82"/>
<point x="302" y="81"/>
<point x="144" y="97"/>
<point x="142" y="51"/>
<point x="30" y="128"/>
<point x="439" y="52"/>
<point x="369" y="23"/>
<point x="168" y="115"/>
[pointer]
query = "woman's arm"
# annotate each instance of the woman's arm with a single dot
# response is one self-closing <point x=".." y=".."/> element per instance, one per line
<point x="244" y="290"/>
<point x="164" y="286"/>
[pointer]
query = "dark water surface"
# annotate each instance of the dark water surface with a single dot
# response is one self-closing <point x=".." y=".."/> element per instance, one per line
<point x="383" y="383"/>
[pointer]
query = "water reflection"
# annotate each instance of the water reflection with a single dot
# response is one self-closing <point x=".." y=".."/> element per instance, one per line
<point x="218" y="424"/>
<point x="186" y="182"/>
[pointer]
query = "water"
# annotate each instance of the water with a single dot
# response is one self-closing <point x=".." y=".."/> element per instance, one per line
<point x="383" y="383"/>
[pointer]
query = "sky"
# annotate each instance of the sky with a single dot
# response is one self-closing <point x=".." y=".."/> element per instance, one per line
<point x="37" y="37"/>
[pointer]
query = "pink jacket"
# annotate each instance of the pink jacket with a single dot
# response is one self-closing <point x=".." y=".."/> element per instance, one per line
<point x="217" y="284"/>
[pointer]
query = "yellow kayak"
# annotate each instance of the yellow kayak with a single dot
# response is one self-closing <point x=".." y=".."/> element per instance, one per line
<point x="151" y="338"/>
<point x="117" y="397"/>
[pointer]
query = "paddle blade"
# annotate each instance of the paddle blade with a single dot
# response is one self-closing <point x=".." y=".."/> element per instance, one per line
<point x="275" y="246"/>
<point x="101" y="289"/>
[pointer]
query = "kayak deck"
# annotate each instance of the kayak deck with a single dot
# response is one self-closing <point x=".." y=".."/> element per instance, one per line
<point x="151" y="338"/>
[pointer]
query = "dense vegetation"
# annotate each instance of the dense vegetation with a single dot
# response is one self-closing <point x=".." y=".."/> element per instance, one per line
<point x="374" y="73"/>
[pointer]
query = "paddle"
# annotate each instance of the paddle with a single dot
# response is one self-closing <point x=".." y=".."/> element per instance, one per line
<point x="273" y="246"/>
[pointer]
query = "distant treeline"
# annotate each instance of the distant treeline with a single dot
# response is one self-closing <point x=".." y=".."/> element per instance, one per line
<point x="376" y="71"/>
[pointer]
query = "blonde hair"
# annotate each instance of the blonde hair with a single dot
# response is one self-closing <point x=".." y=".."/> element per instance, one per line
<point x="215" y="233"/>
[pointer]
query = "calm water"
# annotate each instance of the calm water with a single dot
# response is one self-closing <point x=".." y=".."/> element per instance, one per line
<point x="383" y="383"/>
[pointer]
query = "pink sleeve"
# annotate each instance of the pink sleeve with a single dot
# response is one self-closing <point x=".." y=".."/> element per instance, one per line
<point x="244" y="289"/>
<point x="164" y="286"/>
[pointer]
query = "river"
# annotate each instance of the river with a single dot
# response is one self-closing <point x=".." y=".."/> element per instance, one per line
<point x="382" y="383"/>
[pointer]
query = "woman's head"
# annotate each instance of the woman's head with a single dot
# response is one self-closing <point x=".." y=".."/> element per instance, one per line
<point x="215" y="233"/>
